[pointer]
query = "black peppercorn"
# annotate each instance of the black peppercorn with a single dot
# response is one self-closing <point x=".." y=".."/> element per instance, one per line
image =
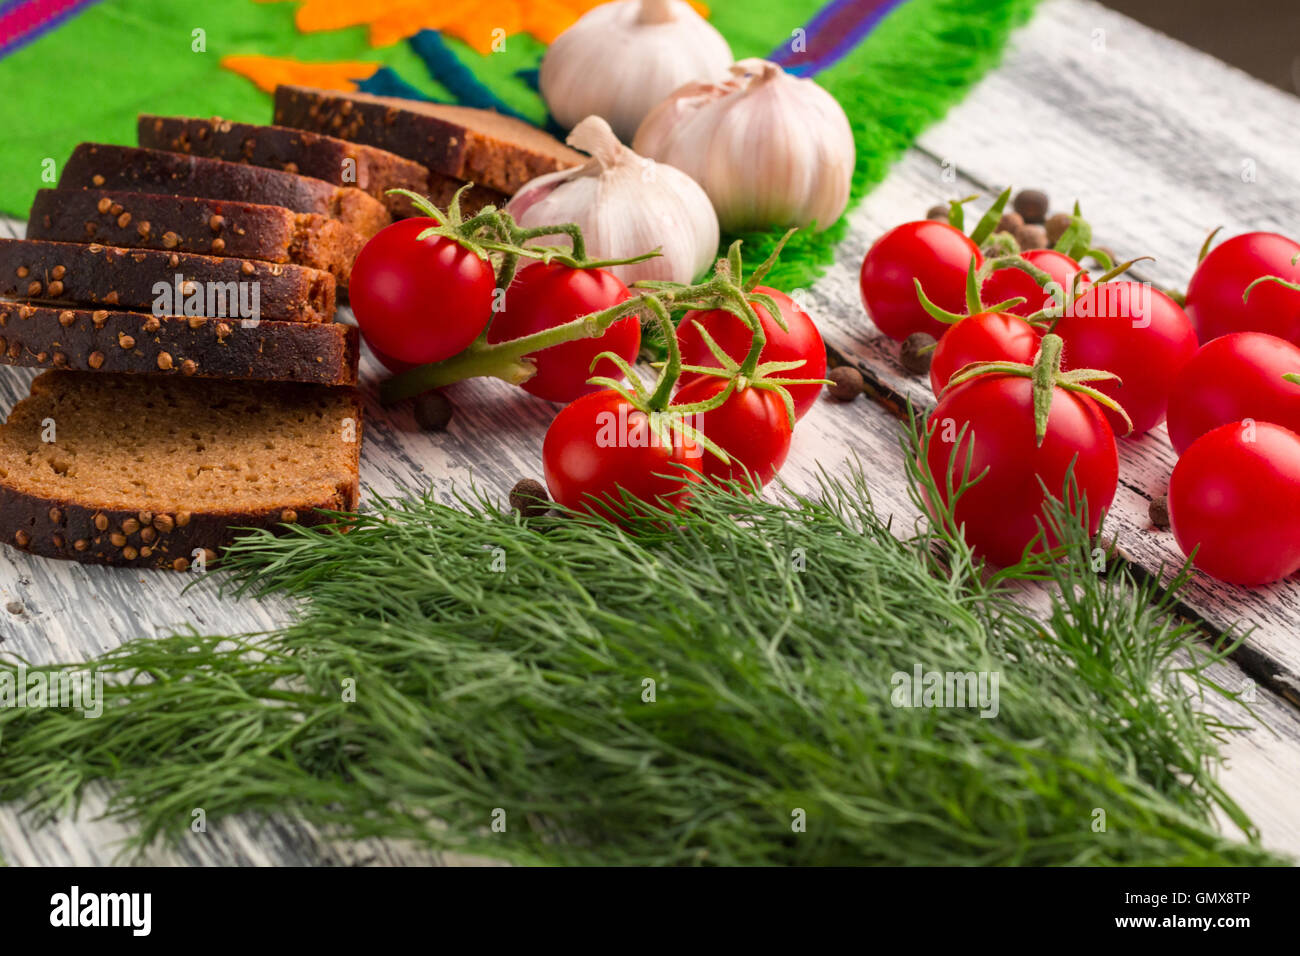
<point x="433" y="410"/>
<point x="1032" y="204"/>
<point x="846" y="383"/>
<point x="1158" y="510"/>
<point x="916" y="352"/>
<point x="529" y="498"/>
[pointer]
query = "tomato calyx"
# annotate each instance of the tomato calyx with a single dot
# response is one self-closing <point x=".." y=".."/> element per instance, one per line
<point x="1046" y="376"/>
<point x="974" y="282"/>
<point x="1278" y="280"/>
<point x="987" y="223"/>
<point x="728" y="291"/>
<point x="493" y="230"/>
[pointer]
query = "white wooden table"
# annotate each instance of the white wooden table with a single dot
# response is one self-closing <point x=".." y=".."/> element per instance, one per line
<point x="1160" y="142"/>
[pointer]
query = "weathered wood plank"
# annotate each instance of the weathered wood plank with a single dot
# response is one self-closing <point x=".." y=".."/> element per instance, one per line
<point x="73" y="612"/>
<point x="1161" y="143"/>
<point x="829" y="436"/>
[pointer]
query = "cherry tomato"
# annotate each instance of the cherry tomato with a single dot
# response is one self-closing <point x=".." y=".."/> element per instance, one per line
<point x="801" y="343"/>
<point x="545" y="295"/>
<point x="1235" y="496"/>
<point x="984" y="337"/>
<point x="601" y="443"/>
<point x="390" y="363"/>
<point x="751" y="426"/>
<point x="1137" y="332"/>
<point x="934" y="252"/>
<point x="1001" y="511"/>
<point x="1214" y="294"/>
<point x="419" y="301"/>
<point x="1236" y="376"/>
<point x="1010" y="283"/>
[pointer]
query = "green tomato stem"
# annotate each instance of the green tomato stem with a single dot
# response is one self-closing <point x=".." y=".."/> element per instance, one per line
<point x="504" y="360"/>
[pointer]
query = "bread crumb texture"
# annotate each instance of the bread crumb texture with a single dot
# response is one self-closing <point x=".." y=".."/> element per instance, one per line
<point x="164" y="444"/>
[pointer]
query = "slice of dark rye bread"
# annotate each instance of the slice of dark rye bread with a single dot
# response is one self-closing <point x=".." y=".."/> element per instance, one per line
<point x="34" y="336"/>
<point x="150" y="472"/>
<point x="336" y="161"/>
<point x="100" y="166"/>
<point x="66" y="272"/>
<point x="480" y="146"/>
<point x="214" y="227"/>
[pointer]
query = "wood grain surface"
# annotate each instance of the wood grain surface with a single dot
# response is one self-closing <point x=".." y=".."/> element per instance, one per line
<point x="1153" y="137"/>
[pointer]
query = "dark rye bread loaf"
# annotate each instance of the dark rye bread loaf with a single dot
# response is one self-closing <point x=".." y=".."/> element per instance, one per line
<point x="336" y="161"/>
<point x="99" y="166"/>
<point x="34" y="336"/>
<point x="150" y="472"/>
<point x="480" y="146"/>
<point x="214" y="227"/>
<point x="129" y="278"/>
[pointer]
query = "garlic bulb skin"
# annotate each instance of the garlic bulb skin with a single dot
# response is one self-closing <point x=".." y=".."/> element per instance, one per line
<point x="626" y="205"/>
<point x="620" y="59"/>
<point x="770" y="149"/>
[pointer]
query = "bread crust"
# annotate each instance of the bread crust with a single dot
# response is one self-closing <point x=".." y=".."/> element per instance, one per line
<point x="108" y="276"/>
<point x="33" y="336"/>
<point x="337" y="161"/>
<point x="429" y="134"/>
<point x="192" y="224"/>
<point x="103" y="166"/>
<point x="26" y="524"/>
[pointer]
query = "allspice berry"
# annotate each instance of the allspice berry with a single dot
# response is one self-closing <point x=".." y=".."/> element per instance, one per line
<point x="1158" y="510"/>
<point x="1010" y="222"/>
<point x="1032" y="204"/>
<point x="916" y="352"/>
<point x="937" y="213"/>
<point x="1056" y="226"/>
<point x="846" y="383"/>
<point x="1031" y="237"/>
<point x="529" y="498"/>
<point x="433" y="410"/>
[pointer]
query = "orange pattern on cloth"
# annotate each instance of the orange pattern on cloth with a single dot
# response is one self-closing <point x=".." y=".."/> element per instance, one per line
<point x="268" y="72"/>
<point x="480" y="24"/>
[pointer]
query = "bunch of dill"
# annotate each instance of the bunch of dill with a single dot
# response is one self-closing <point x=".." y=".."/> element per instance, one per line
<point x="716" y="689"/>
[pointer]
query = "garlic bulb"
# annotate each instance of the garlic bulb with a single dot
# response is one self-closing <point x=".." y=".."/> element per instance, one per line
<point x="626" y="205"/>
<point x="622" y="58"/>
<point x="769" y="148"/>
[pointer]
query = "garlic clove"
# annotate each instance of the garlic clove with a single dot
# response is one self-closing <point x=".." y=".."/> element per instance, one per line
<point x="626" y="205"/>
<point x="768" y="148"/>
<point x="620" y="59"/>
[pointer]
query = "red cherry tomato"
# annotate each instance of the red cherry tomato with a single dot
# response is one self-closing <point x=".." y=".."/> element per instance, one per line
<point x="545" y="295"/>
<point x="1214" y="294"/>
<point x="1001" y="511"/>
<point x="1236" y="376"/>
<point x="601" y="443"/>
<point x="751" y="426"/>
<point x="934" y="252"/>
<point x="1235" y="496"/>
<point x="1011" y="283"/>
<point x="419" y="301"/>
<point x="801" y="343"/>
<point x="985" y="337"/>
<point x="1137" y="332"/>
